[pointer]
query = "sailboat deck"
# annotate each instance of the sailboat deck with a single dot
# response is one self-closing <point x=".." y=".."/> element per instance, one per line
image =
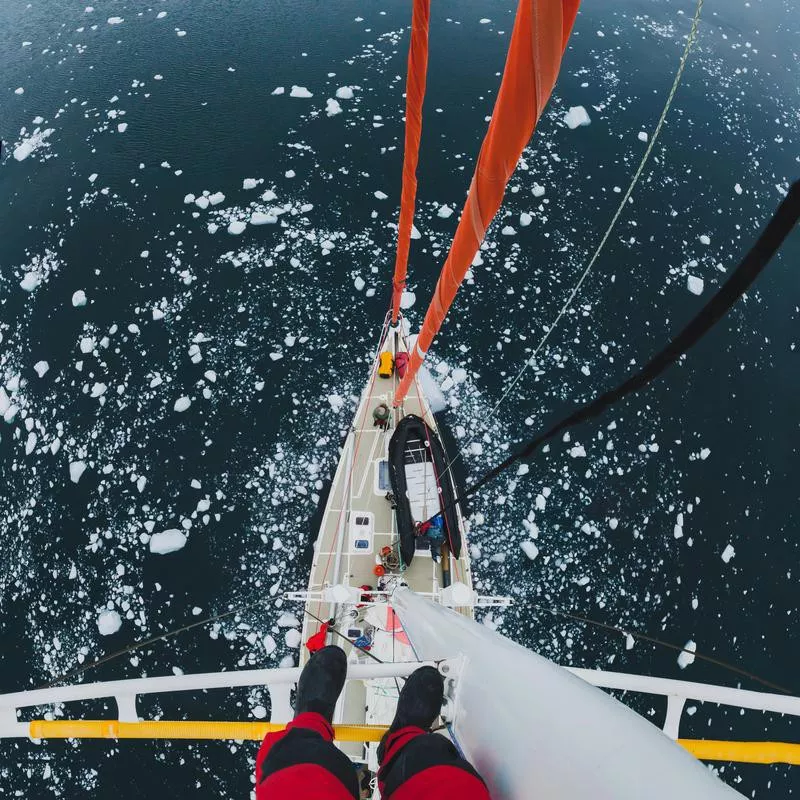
<point x="358" y="521"/>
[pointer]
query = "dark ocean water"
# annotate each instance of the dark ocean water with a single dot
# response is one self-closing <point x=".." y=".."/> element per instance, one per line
<point x="266" y="332"/>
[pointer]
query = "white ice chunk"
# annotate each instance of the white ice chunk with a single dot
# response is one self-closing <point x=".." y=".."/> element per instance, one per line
<point x="115" y="20"/>
<point x="76" y="469"/>
<point x="407" y="299"/>
<point x="642" y="136"/>
<point x="525" y="219"/>
<point x="122" y="127"/>
<point x="249" y="183"/>
<point x="359" y="283"/>
<point x="79" y="298"/>
<point x="728" y="553"/>
<point x="530" y="550"/>
<point x="216" y="198"/>
<point x="704" y="239"/>
<point x="30" y="281"/>
<point x="260" y="218"/>
<point x="332" y="107"/>
<point x="41" y="367"/>
<point x="445" y="211"/>
<point x="167" y="541"/>
<point x="87" y="344"/>
<point x="182" y="403"/>
<point x="431" y="390"/>
<point x="345" y="92"/>
<point x="684" y="658"/>
<point x="108" y="622"/>
<point x="300" y="91"/>
<point x="576" y="117"/>
<point x="381" y="195"/>
<point x="292" y="638"/>
<point x="694" y="284"/>
<point x="288" y="620"/>
<point x="538" y="190"/>
<point x="278" y="90"/>
<point x="236" y="227"/>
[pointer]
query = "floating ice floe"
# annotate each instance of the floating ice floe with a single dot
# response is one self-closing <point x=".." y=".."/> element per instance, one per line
<point x="300" y="91"/>
<point x="728" y="553"/>
<point x="444" y="211"/>
<point x="684" y="658"/>
<point x="108" y="622"/>
<point x="332" y="107"/>
<point x="76" y="469"/>
<point x="694" y="284"/>
<point x="345" y="92"/>
<point x="576" y="117"/>
<point x="182" y="403"/>
<point x="530" y="550"/>
<point x="167" y="541"/>
<point x="41" y="367"/>
<point x="79" y="298"/>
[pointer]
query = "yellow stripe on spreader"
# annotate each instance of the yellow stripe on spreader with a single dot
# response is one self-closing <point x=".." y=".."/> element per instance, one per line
<point x="744" y="752"/>
<point x="165" y="729"/>
<point x="704" y="749"/>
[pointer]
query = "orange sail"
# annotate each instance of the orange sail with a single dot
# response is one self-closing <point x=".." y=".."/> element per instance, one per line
<point x="540" y="35"/>
<point x="415" y="94"/>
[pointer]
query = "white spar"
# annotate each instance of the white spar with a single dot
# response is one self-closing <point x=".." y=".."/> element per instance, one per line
<point x="532" y="729"/>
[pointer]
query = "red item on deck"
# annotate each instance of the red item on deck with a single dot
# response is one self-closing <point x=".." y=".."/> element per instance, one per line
<point x="317" y="641"/>
<point x="400" y="364"/>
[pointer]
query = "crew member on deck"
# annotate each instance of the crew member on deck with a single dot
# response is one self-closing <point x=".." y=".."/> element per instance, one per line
<point x="302" y="763"/>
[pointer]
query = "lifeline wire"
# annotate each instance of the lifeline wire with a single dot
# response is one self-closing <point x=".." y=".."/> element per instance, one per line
<point x="660" y="642"/>
<point x="136" y="645"/>
<point x="568" y="302"/>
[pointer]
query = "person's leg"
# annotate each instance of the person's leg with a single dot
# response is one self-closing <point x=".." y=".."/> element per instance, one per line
<point x="416" y="764"/>
<point x="302" y="761"/>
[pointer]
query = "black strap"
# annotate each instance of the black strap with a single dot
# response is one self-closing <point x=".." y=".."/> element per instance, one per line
<point x="779" y="227"/>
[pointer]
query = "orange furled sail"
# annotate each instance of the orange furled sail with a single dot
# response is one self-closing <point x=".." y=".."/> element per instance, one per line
<point x="415" y="94"/>
<point x="538" y="41"/>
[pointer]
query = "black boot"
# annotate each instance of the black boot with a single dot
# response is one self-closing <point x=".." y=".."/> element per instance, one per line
<point x="419" y="705"/>
<point x="321" y="682"/>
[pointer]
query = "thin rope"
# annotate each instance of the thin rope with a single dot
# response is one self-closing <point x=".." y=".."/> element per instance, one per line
<point x="529" y="362"/>
<point x="152" y="640"/>
<point x="660" y="642"/>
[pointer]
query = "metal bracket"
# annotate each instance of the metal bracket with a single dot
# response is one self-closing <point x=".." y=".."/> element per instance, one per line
<point x="672" y="721"/>
<point x="451" y="669"/>
<point x="126" y="708"/>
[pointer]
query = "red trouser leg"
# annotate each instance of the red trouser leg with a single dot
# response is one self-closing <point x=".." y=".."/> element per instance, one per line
<point x="418" y="765"/>
<point x="302" y="763"/>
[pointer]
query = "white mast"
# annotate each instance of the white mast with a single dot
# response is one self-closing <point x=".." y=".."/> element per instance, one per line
<point x="534" y="730"/>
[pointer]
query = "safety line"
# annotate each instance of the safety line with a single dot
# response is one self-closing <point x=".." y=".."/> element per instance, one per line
<point x="653" y="640"/>
<point x="529" y="362"/>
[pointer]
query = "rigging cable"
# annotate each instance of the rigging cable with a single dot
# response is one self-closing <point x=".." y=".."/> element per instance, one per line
<point x="529" y="362"/>
<point x="144" y="642"/>
<point x="660" y="642"/>
<point x="748" y="269"/>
